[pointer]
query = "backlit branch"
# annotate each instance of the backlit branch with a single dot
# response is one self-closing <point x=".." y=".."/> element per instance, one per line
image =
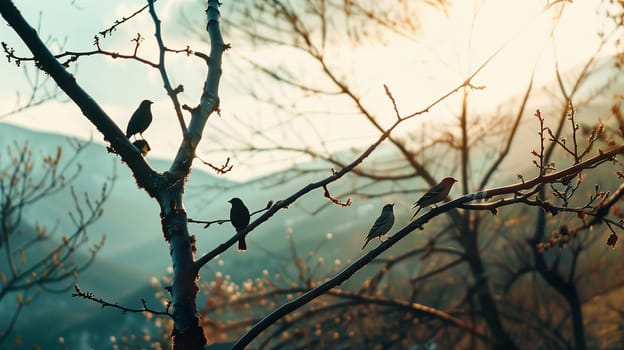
<point x="460" y="202"/>
<point x="104" y="303"/>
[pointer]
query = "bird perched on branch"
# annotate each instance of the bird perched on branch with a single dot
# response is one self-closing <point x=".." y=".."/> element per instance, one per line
<point x="436" y="194"/>
<point x="239" y="217"/>
<point x="142" y="146"/>
<point x="382" y="225"/>
<point x="140" y="120"/>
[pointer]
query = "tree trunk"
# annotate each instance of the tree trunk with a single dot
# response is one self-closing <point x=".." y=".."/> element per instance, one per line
<point x="187" y="330"/>
<point x="489" y="310"/>
<point x="567" y="289"/>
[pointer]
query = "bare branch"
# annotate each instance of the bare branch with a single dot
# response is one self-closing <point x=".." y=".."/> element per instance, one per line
<point x="145" y="308"/>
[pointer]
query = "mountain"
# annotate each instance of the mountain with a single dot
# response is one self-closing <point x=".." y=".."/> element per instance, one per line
<point x="135" y="251"/>
<point x="128" y="213"/>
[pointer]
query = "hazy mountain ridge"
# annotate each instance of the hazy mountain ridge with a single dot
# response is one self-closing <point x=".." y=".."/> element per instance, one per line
<point x="135" y="251"/>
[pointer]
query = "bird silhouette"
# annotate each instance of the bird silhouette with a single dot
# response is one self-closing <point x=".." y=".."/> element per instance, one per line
<point x="142" y="146"/>
<point x="140" y="120"/>
<point x="436" y="194"/>
<point x="382" y="225"/>
<point x="239" y="217"/>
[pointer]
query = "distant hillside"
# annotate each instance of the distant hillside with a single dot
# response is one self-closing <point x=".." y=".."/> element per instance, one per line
<point x="135" y="251"/>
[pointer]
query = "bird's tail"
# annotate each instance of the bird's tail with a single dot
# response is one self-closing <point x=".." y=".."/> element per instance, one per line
<point x="365" y="243"/>
<point x="416" y="213"/>
<point x="242" y="245"/>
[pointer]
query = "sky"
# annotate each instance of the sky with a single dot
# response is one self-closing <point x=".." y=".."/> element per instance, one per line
<point x="450" y="46"/>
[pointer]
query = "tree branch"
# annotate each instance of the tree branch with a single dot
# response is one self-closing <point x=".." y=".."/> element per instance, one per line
<point x="104" y="303"/>
<point x="352" y="268"/>
<point x="146" y="177"/>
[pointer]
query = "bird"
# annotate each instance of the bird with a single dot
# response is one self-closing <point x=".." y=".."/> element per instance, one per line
<point x="140" y="120"/>
<point x="382" y="225"/>
<point x="142" y="146"/>
<point x="436" y="194"/>
<point x="239" y="217"/>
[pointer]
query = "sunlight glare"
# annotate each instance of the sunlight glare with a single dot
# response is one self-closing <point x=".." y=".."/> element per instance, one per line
<point x="457" y="44"/>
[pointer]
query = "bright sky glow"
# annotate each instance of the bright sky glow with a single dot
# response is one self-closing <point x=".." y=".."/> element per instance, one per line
<point x="419" y="72"/>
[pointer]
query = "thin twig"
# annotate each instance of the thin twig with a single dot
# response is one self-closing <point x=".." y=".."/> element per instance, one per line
<point x="145" y="308"/>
